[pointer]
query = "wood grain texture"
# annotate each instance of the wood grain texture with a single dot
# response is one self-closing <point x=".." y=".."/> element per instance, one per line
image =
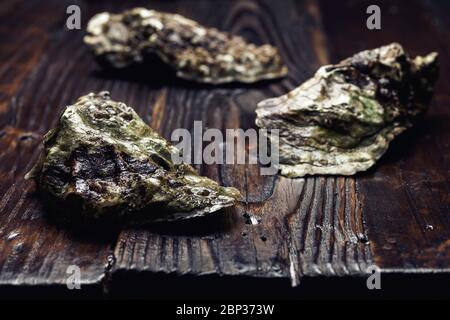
<point x="33" y="250"/>
<point x="406" y="195"/>
<point x="396" y="215"/>
<point x="305" y="226"/>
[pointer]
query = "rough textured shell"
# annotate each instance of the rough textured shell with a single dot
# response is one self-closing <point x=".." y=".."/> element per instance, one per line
<point x="342" y="120"/>
<point x="103" y="161"/>
<point x="194" y="51"/>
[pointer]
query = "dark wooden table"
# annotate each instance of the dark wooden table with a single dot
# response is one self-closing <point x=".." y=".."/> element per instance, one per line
<point x="395" y="216"/>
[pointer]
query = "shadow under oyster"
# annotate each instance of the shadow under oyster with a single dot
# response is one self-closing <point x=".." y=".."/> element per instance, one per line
<point x="194" y="51"/>
<point x="342" y="120"/>
<point x="103" y="161"/>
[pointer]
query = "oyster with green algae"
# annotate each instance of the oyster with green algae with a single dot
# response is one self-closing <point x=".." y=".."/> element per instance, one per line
<point x="194" y="51"/>
<point x="103" y="161"/>
<point x="342" y="120"/>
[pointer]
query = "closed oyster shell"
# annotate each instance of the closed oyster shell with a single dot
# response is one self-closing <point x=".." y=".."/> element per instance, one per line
<point x="342" y="120"/>
<point x="194" y="51"/>
<point x="103" y="161"/>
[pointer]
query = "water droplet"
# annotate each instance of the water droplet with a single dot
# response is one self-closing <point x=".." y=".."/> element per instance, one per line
<point x="12" y="235"/>
<point x="363" y="238"/>
<point x="249" y="219"/>
<point x="254" y="220"/>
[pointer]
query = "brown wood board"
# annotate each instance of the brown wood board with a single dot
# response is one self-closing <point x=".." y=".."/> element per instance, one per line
<point x="396" y="215"/>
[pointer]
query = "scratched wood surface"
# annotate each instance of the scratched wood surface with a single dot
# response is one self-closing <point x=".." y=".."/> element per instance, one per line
<point x="396" y="215"/>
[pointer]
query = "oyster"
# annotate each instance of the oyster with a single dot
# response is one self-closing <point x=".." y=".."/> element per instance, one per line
<point x="103" y="161"/>
<point x="194" y="51"/>
<point x="342" y="120"/>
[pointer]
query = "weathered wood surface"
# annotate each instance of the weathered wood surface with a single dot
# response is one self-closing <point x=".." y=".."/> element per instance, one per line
<point x="396" y="215"/>
<point x="406" y="197"/>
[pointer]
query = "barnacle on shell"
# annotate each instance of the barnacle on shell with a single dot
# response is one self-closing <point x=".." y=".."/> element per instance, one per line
<point x="194" y="51"/>
<point x="342" y="120"/>
<point x="103" y="161"/>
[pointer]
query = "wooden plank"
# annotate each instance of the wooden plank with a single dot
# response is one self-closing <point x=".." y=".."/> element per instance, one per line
<point x="406" y="202"/>
<point x="47" y="68"/>
<point x="22" y="47"/>
<point x="33" y="250"/>
<point x="37" y="81"/>
<point x="306" y="226"/>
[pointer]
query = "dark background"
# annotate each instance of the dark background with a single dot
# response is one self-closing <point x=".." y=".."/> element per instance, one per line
<point x="322" y="232"/>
